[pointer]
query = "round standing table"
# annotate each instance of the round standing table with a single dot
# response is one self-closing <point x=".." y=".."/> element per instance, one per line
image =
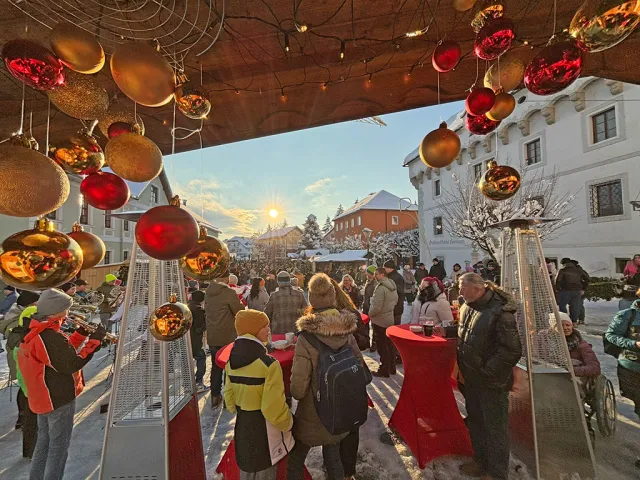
<point x="427" y="415"/>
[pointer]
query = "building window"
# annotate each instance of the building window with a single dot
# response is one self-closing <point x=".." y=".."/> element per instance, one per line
<point x="606" y="199"/>
<point x="395" y="220"/>
<point x="125" y="255"/>
<point x="346" y="225"/>
<point x="359" y="221"/>
<point x="533" y="152"/>
<point x="107" y="219"/>
<point x="604" y="125"/>
<point x="353" y="222"/>
<point x="436" y="188"/>
<point x="154" y="194"/>
<point x="437" y="226"/>
<point x="107" y="257"/>
<point x="52" y="215"/>
<point x="125" y="225"/>
<point x="84" y="212"/>
<point x="620" y="264"/>
<point x="486" y="164"/>
<point x="477" y="171"/>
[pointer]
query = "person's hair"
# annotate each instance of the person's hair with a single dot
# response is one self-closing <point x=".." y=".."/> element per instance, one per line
<point x="255" y="287"/>
<point x="381" y="271"/>
<point x="341" y="284"/>
<point x="472" y="278"/>
<point x="459" y="266"/>
<point x="343" y="301"/>
<point x="197" y="296"/>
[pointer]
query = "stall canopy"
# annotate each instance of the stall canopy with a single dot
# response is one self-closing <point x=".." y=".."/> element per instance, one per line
<point x="344" y="257"/>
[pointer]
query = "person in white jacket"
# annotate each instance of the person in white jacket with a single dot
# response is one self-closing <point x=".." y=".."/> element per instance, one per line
<point x="431" y="304"/>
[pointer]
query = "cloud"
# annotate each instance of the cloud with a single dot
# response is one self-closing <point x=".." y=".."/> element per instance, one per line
<point x="318" y="186"/>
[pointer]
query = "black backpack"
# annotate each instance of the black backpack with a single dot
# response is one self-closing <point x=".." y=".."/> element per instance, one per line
<point x="610" y="348"/>
<point x="341" y="399"/>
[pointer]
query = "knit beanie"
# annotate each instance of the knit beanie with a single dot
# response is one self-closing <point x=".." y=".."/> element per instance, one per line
<point x="233" y="280"/>
<point x="52" y="301"/>
<point x="250" y="322"/>
<point x="27" y="298"/>
<point x="321" y="291"/>
<point x="371" y="269"/>
<point x="284" y="278"/>
<point x="110" y="278"/>
<point x="9" y="288"/>
<point x="390" y="264"/>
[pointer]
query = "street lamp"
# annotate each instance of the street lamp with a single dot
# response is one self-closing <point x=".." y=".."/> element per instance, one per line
<point x="367" y="235"/>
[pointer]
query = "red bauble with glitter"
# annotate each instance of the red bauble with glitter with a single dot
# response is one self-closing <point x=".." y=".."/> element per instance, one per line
<point x="480" y="124"/>
<point x="33" y="64"/>
<point x="446" y="56"/>
<point x="494" y="38"/>
<point x="480" y="101"/>
<point x="105" y="191"/>
<point x="118" y="128"/>
<point x="555" y="67"/>
<point x="167" y="232"/>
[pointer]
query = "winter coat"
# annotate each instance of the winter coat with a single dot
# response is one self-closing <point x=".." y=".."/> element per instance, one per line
<point x="221" y="305"/>
<point x="492" y="275"/>
<point x="369" y="288"/>
<point x="8" y="301"/>
<point x="10" y="319"/>
<point x="354" y="295"/>
<point x="438" y="271"/>
<point x="260" y="302"/>
<point x="362" y="332"/>
<point x="587" y="362"/>
<point x="420" y="274"/>
<point x="300" y="278"/>
<point x="198" y="327"/>
<point x="399" y="281"/>
<point x="437" y="311"/>
<point x="284" y="307"/>
<point x="488" y="340"/>
<point x="385" y="298"/>
<point x="571" y="278"/>
<point x="254" y="390"/>
<point x="626" y="339"/>
<point x="270" y="284"/>
<point x="107" y="305"/>
<point x="409" y="281"/>
<point x="335" y="329"/>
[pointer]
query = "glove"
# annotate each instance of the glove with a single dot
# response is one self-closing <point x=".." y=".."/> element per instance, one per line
<point x="99" y="333"/>
<point x="83" y="331"/>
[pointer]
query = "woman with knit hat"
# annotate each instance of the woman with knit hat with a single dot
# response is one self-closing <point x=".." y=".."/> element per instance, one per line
<point x="431" y="304"/>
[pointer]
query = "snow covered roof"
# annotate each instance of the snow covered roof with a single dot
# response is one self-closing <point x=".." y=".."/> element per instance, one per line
<point x="381" y="200"/>
<point x="277" y="233"/>
<point x="346" y="256"/>
<point x="245" y="241"/>
<point x="310" y="252"/>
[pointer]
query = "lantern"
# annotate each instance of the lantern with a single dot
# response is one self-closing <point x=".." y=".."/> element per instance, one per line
<point x="480" y="124"/>
<point x="499" y="182"/>
<point x="480" y="101"/>
<point x="446" y="56"/>
<point x="93" y="249"/>
<point x="105" y="191"/>
<point x="602" y="24"/>
<point x="170" y="321"/>
<point x="440" y="147"/>
<point x="33" y="64"/>
<point x="555" y="67"/>
<point x="494" y="38"/>
<point x="209" y="259"/>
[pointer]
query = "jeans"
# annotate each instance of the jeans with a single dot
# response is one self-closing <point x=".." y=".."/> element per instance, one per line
<point x="488" y="424"/>
<point x="574" y="299"/>
<point x="386" y="351"/>
<point x="216" y="373"/>
<point x="201" y="364"/>
<point x="29" y="426"/>
<point x="349" y="452"/>
<point x="52" y="448"/>
<point x="330" y="453"/>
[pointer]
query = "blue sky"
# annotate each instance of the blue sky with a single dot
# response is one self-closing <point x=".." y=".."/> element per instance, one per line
<point x="299" y="173"/>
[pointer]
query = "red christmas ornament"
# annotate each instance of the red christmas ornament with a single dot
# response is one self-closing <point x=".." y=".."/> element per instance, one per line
<point x="167" y="232"/>
<point x="555" y="67"/>
<point x="494" y="38"/>
<point x="105" y="191"/>
<point x="480" y="124"/>
<point x="446" y="56"/>
<point x="480" y="101"/>
<point x="33" y="64"/>
<point x="118" y="128"/>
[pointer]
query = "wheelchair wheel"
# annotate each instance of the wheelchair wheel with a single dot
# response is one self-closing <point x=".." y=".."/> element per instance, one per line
<point x="605" y="406"/>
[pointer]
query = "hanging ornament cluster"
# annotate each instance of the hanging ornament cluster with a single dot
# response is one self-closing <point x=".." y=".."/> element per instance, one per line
<point x="208" y="260"/>
<point x="133" y="157"/>
<point x="555" y="67"/>
<point x="191" y="100"/>
<point x="446" y="56"/>
<point x="499" y="182"/>
<point x="170" y="321"/>
<point x="440" y="147"/>
<point x="105" y="191"/>
<point x="93" y="249"/>
<point x="33" y="64"/>
<point x="76" y="48"/>
<point x="602" y="24"/>
<point x="80" y="154"/>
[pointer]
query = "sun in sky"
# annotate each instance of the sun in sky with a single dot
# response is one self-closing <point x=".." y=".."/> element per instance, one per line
<point x="273" y="213"/>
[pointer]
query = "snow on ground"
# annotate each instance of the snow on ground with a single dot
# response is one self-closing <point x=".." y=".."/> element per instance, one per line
<point x="615" y="455"/>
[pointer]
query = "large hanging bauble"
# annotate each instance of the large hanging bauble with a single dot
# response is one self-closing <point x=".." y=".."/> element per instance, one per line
<point x="602" y="24"/>
<point x="134" y="157"/>
<point x="494" y="38"/>
<point x="105" y="191"/>
<point x="554" y="68"/>
<point x="499" y="182"/>
<point x="511" y="72"/>
<point x="32" y="184"/>
<point x="93" y="249"/>
<point x="463" y="5"/>
<point x="486" y="10"/>
<point x="122" y="115"/>
<point x="440" y="147"/>
<point x="208" y="260"/>
<point x="81" y="97"/>
<point x="170" y="321"/>
<point x="40" y="258"/>
<point x="76" y="48"/>
<point x="446" y="56"/>
<point x="167" y="232"/>
<point x="480" y="101"/>
<point x="143" y="74"/>
<point x="480" y="124"/>
<point x="33" y="64"/>
<point x="502" y="108"/>
<point x="192" y="101"/>
<point x="80" y="154"/>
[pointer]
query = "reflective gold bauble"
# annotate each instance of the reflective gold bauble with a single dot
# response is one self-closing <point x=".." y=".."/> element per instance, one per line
<point x="143" y="74"/>
<point x="76" y="48"/>
<point x="80" y="154"/>
<point x="440" y="147"/>
<point x="81" y="97"/>
<point x="502" y="108"/>
<point x="486" y="10"/>
<point x="133" y="157"/>
<point x="93" y="249"/>
<point x="208" y="260"/>
<point x="192" y="101"/>
<point x="32" y="184"/>
<point x="463" y="5"/>
<point x="499" y="182"/>
<point x="170" y="321"/>
<point x="40" y="258"/>
<point x="511" y="73"/>
<point x="602" y="24"/>
<point x="119" y="113"/>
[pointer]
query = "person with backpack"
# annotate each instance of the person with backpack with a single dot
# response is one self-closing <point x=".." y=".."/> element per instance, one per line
<point x="328" y="378"/>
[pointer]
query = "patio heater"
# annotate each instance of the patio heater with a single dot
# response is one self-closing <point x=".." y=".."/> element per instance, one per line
<point x="153" y="423"/>
<point x="548" y="428"/>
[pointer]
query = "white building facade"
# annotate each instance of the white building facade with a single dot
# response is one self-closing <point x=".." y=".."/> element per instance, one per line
<point x="240" y="247"/>
<point x="588" y="136"/>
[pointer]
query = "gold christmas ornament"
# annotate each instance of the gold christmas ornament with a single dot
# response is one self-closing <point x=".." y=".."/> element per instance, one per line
<point x="208" y="260"/>
<point x="511" y="73"/>
<point x="32" y="184"/>
<point x="119" y="113"/>
<point x="191" y="100"/>
<point x="499" y="182"/>
<point x="143" y="74"/>
<point x="93" y="249"/>
<point x="40" y="258"/>
<point x="602" y="24"/>
<point x="170" y="321"/>
<point x="133" y="157"/>
<point x="76" y="48"/>
<point x="80" y="154"/>
<point x="440" y="147"/>
<point x="502" y="108"/>
<point x="486" y="10"/>
<point x="463" y="5"/>
<point x="81" y="97"/>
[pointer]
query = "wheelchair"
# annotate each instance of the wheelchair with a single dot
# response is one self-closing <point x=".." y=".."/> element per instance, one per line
<point x="599" y="401"/>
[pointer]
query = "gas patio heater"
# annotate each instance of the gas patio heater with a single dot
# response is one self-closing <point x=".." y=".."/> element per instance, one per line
<point x="547" y="422"/>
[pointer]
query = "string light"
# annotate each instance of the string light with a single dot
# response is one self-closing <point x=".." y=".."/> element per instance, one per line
<point x="342" y="47"/>
<point x="301" y="27"/>
<point x="286" y="42"/>
<point x="416" y="33"/>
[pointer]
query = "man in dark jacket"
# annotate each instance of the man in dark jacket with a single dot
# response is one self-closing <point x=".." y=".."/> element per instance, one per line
<point x="10" y="298"/>
<point x="369" y="288"/>
<point x="488" y="349"/>
<point x="421" y="272"/>
<point x="571" y="283"/>
<point x="585" y="284"/>
<point x="198" y="327"/>
<point x="395" y="277"/>
<point x="437" y="270"/>
<point x="285" y="306"/>
<point x="492" y="272"/>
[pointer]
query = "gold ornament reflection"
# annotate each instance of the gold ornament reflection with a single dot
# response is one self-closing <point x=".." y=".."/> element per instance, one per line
<point x="93" y="248"/>
<point x="80" y="154"/>
<point x="486" y="10"/>
<point x="170" y="321"/>
<point x="500" y="182"/>
<point x="602" y="24"/>
<point x="208" y="260"/>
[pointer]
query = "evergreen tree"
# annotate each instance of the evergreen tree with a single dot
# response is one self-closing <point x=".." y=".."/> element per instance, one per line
<point x="328" y="225"/>
<point x="311" y="234"/>
<point x="268" y="228"/>
<point x="340" y="211"/>
<point x="284" y="224"/>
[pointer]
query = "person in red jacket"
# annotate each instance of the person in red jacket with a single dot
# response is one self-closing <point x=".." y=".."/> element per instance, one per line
<point x="585" y="362"/>
<point x="50" y="364"/>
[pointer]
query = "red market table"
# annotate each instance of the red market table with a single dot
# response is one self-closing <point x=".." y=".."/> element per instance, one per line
<point x="426" y="415"/>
